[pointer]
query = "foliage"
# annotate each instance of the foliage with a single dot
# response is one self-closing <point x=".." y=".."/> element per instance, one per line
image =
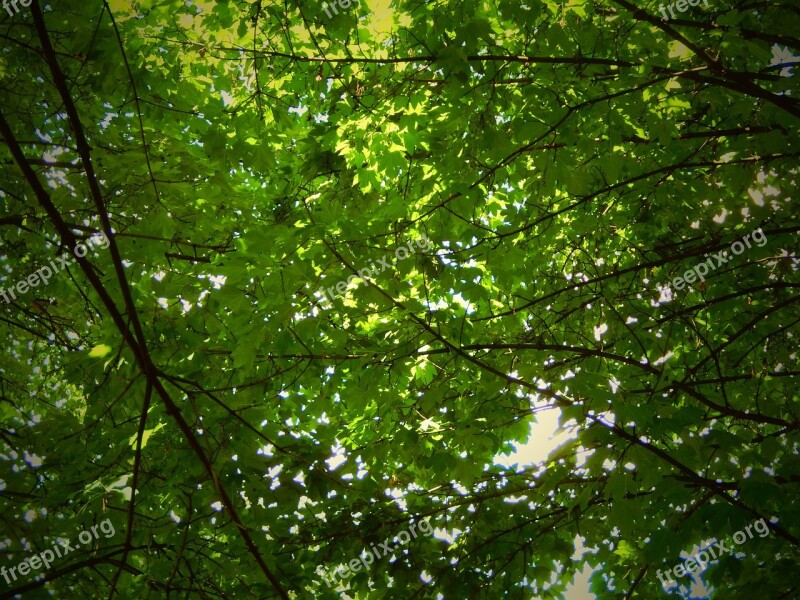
<point x="566" y="160"/>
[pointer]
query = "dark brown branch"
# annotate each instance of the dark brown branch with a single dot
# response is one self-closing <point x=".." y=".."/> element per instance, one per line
<point x="57" y="573"/>
<point x="137" y="461"/>
<point x="137" y="343"/>
<point x="135" y="99"/>
<point x="195" y="259"/>
<point x="739" y="82"/>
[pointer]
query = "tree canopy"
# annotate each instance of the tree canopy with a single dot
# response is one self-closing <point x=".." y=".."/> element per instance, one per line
<point x="254" y="384"/>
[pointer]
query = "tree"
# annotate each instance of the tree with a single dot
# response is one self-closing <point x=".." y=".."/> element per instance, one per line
<point x="252" y="383"/>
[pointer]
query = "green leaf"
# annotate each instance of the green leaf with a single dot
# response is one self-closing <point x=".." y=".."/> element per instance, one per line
<point x="99" y="351"/>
